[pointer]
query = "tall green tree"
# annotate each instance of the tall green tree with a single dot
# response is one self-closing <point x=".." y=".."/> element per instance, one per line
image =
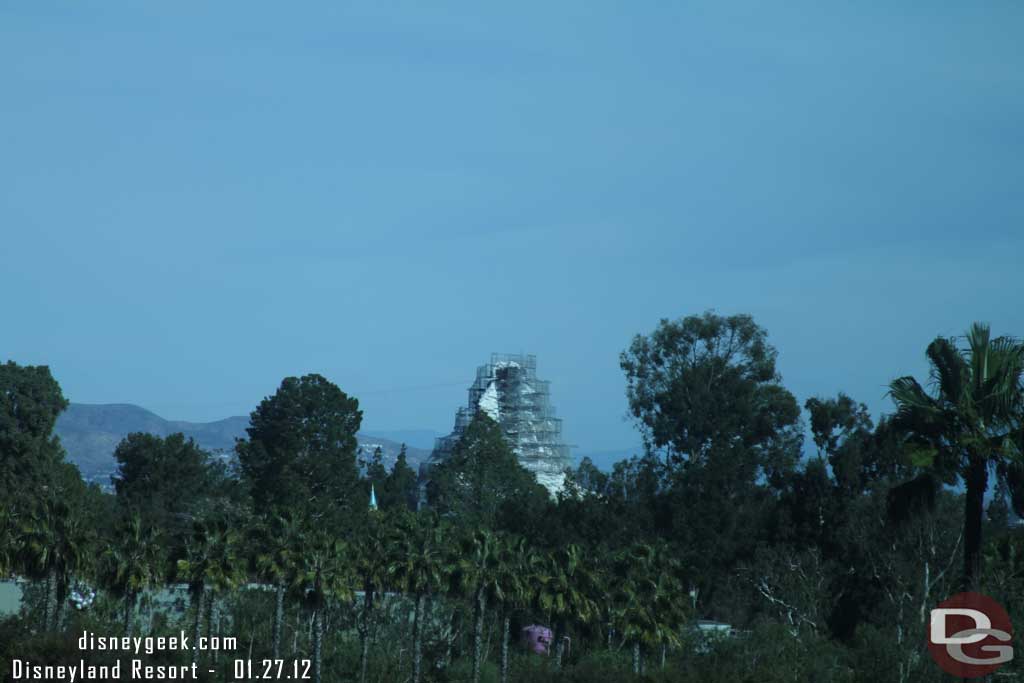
<point x="213" y="564"/>
<point x="132" y="563"/>
<point x="970" y="422"/>
<point x="706" y="387"/>
<point x="401" y="488"/>
<point x="419" y="568"/>
<point x="280" y="540"/>
<point x="301" y="450"/>
<point x="169" y="482"/>
<point x="568" y="588"/>
<point x="55" y="545"/>
<point x="475" y="569"/>
<point x="325" y="573"/>
<point x="30" y="402"/>
<point x="510" y="587"/>
<point x="371" y="560"/>
<point x="708" y="400"/>
<point x="481" y="477"/>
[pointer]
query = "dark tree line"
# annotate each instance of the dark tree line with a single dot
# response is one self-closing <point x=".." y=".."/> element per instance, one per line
<point x="824" y="560"/>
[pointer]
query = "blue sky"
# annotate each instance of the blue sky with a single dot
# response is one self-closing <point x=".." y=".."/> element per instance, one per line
<point x="198" y="199"/>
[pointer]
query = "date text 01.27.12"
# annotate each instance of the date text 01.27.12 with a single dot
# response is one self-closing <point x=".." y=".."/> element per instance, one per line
<point x="272" y="670"/>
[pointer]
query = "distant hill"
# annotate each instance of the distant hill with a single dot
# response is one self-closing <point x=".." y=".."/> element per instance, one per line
<point x="90" y="433"/>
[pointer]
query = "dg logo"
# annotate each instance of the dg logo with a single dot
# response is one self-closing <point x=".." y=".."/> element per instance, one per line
<point x="969" y="635"/>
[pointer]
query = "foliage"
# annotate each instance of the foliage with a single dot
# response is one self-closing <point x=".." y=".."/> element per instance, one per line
<point x="482" y="478"/>
<point x="301" y="450"/>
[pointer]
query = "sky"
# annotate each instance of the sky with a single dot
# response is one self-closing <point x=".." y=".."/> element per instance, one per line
<point x="199" y="199"/>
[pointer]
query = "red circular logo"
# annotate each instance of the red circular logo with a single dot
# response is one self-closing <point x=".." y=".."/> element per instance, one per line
<point x="970" y="635"/>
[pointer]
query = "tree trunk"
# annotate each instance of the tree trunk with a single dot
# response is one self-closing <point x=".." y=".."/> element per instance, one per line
<point x="62" y="603"/>
<point x="417" y="638"/>
<point x="559" y="644"/>
<point x="664" y="648"/>
<point x="295" y="632"/>
<point x="318" y="638"/>
<point x="47" y="595"/>
<point x="129" y="614"/>
<point x="199" y="598"/>
<point x="478" y="635"/>
<point x="214" y="629"/>
<point x="364" y="632"/>
<point x="506" y="627"/>
<point x="275" y="638"/>
<point x="636" y="658"/>
<point x="977" y="482"/>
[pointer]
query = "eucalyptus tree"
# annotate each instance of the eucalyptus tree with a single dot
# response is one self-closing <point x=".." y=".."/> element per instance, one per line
<point x="132" y="564"/>
<point x="568" y="588"/>
<point x="325" y="573"/>
<point x="418" y="567"/>
<point x="280" y="540"/>
<point x="213" y="563"/>
<point x="969" y="422"/>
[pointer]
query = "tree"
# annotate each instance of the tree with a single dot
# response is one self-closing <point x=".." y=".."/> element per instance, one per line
<point x="324" y="573"/>
<point x="212" y="564"/>
<point x="481" y="477"/>
<point x="54" y="546"/>
<point x="510" y="587"/>
<point x="648" y="599"/>
<point x="169" y="481"/>
<point x="132" y="564"/>
<point x="418" y="567"/>
<point x="971" y="421"/>
<point x="374" y="467"/>
<point x="280" y="540"/>
<point x="474" y="572"/>
<point x="371" y="559"/>
<point x="859" y="454"/>
<point x="400" y="489"/>
<point x="301" y="450"/>
<point x="567" y="590"/>
<point x="706" y="387"/>
<point x="30" y="402"/>
<point x="708" y="401"/>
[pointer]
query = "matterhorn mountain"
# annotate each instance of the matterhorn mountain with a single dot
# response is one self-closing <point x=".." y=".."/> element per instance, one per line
<point x="507" y="390"/>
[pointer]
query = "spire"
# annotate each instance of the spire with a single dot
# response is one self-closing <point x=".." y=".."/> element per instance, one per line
<point x="373" y="498"/>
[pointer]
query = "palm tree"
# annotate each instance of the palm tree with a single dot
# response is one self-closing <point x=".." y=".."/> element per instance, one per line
<point x="971" y="421"/>
<point x="648" y="599"/>
<point x="54" y="545"/>
<point x="567" y="590"/>
<point x="474" y="571"/>
<point x="212" y="563"/>
<point x="510" y="587"/>
<point x="324" y="572"/>
<point x="418" y="567"/>
<point x="281" y="541"/>
<point x="371" y="567"/>
<point x="8" y="541"/>
<point x="132" y="564"/>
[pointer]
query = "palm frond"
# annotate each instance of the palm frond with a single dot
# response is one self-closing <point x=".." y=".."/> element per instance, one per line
<point x="950" y="372"/>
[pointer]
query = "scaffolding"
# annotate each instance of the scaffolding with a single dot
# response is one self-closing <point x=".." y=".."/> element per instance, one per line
<point x="507" y="389"/>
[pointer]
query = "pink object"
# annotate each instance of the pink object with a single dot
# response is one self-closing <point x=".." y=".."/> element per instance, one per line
<point x="537" y="638"/>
